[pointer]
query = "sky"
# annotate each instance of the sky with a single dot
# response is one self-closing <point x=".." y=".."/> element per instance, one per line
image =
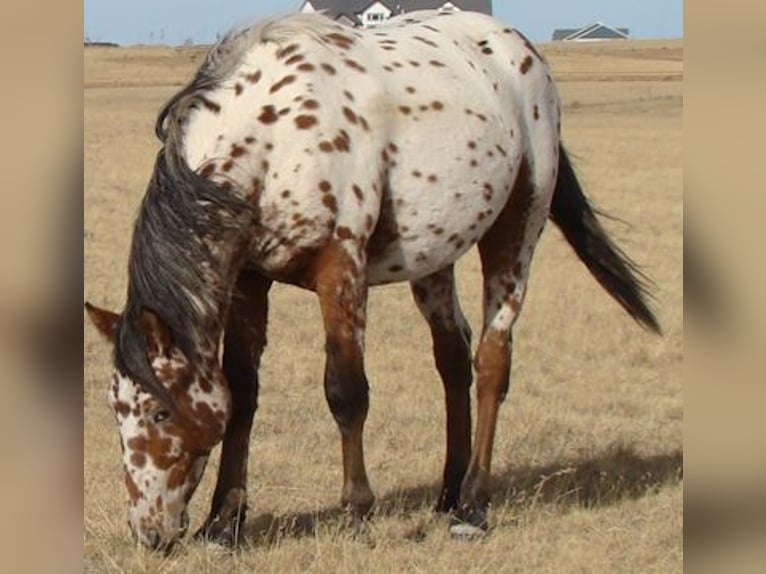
<point x="174" y="22"/>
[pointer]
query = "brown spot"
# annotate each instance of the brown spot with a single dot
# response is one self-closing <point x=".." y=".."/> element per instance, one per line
<point x="487" y="50"/>
<point x="286" y="81"/>
<point x="249" y="140"/>
<point x="228" y="164"/>
<point x="471" y="145"/>
<point x="344" y="233"/>
<point x="410" y="90"/>
<point x="536" y="112"/>
<point x="432" y="178"/>
<point x="306" y="67"/>
<point x="286" y="194"/>
<point x="122" y="408"/>
<point x="426" y="41"/>
<point x="294" y="59"/>
<point x="357" y="192"/>
<point x="325" y="186"/>
<point x="237" y="150"/>
<point x="310" y="104"/>
<point x="437" y="230"/>
<point x="328" y="200"/>
<point x="474" y="163"/>
<point x="437" y="105"/>
<point x="369" y="222"/>
<point x="350" y="115"/>
<point x="326" y="146"/>
<point x="305" y="121"/>
<point x="133" y="492"/>
<point x="268" y="115"/>
<point x="238" y="89"/>
<point x="526" y="64"/>
<point x="254" y="77"/>
<point x="287" y="50"/>
<point x="342" y="141"/>
<point x="414" y="63"/>
<point x="393" y="147"/>
<point x="284" y="111"/>
<point x="364" y="124"/>
<point x="406" y="110"/>
<point x="208" y="170"/>
<point x="340" y="40"/>
<point x="436" y="64"/>
<point x="211" y="105"/>
<point x="328" y="68"/>
<point x="501" y="150"/>
<point x="138" y="459"/>
<point x="417" y="173"/>
<point x="354" y="65"/>
<point x="488" y="192"/>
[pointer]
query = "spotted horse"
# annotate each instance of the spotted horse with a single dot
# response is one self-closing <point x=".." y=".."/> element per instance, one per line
<point x="309" y="153"/>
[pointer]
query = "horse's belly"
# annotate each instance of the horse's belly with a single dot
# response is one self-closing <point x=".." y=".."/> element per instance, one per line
<point x="427" y="227"/>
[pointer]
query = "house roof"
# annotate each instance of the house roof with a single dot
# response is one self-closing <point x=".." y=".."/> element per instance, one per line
<point x="595" y="31"/>
<point x="335" y="8"/>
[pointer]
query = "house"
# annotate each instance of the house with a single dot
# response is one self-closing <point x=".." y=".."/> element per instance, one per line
<point x="592" y="32"/>
<point x="364" y="13"/>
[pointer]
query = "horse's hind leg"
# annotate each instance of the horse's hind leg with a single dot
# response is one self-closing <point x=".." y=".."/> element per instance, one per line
<point x="244" y="341"/>
<point x="436" y="298"/>
<point x="506" y="251"/>
<point x="340" y="283"/>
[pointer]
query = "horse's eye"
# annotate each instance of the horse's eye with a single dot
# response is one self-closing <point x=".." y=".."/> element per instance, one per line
<point x="160" y="416"/>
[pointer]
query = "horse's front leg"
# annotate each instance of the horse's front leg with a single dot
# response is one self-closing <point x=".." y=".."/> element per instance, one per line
<point x="244" y="341"/>
<point x="340" y="283"/>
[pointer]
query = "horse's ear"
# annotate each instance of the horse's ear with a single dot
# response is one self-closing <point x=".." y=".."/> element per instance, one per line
<point x="105" y="321"/>
<point x="157" y="334"/>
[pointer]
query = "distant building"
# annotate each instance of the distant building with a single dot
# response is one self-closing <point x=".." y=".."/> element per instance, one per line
<point x="590" y="33"/>
<point x="364" y="13"/>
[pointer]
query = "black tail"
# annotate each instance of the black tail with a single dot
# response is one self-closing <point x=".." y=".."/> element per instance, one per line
<point x="614" y="270"/>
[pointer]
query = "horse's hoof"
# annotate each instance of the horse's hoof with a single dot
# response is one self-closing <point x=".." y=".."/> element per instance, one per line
<point x="222" y="532"/>
<point x="221" y="536"/>
<point x="469" y="525"/>
<point x="466" y="531"/>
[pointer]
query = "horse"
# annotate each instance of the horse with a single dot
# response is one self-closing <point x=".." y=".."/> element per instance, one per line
<point x="310" y="153"/>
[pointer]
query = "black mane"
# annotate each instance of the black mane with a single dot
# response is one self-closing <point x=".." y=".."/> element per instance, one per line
<point x="172" y="269"/>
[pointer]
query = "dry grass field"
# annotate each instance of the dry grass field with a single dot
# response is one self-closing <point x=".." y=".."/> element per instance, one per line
<point x="588" y="458"/>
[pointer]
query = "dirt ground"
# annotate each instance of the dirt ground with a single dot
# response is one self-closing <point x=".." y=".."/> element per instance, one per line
<point x="588" y="456"/>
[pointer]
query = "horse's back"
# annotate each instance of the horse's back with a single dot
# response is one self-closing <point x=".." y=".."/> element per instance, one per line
<point x="405" y="138"/>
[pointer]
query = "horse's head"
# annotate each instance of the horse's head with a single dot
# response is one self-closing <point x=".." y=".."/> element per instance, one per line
<point x="166" y="440"/>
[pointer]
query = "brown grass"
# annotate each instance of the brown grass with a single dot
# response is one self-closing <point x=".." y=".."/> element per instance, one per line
<point x="588" y="459"/>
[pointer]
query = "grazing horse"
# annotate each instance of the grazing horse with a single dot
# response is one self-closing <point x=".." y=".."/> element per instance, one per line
<point x="333" y="159"/>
